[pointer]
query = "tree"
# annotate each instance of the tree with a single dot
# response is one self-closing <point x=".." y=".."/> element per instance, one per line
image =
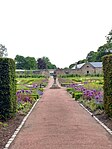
<point x="72" y="65"/>
<point x="3" y="51"/>
<point x="49" y="65"/>
<point x="27" y="63"/>
<point x="103" y="50"/>
<point x="41" y="63"/>
<point x="44" y="63"/>
<point x="109" y="37"/>
<point x="30" y="63"/>
<point x="91" y="56"/>
<point x="20" y="62"/>
<point x="81" y="61"/>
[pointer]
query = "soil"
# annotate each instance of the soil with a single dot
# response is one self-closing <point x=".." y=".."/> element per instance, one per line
<point x="7" y="131"/>
<point x="105" y="119"/>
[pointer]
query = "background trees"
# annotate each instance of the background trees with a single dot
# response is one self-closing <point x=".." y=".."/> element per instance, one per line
<point x="103" y="50"/>
<point x="3" y="51"/>
<point x="27" y="63"/>
<point x="41" y="63"/>
<point x="44" y="63"/>
<point x="30" y="63"/>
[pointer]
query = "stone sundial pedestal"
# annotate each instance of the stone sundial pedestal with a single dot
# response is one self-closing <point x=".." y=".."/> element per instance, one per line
<point x="55" y="85"/>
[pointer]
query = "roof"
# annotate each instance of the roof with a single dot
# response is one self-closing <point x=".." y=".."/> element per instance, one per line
<point x="94" y="64"/>
<point x="78" y="66"/>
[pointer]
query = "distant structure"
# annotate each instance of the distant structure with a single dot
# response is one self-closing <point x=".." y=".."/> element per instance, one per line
<point x="89" y="68"/>
<point x="92" y="68"/>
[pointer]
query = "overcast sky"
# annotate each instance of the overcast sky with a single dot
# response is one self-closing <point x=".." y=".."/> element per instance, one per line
<point x="65" y="31"/>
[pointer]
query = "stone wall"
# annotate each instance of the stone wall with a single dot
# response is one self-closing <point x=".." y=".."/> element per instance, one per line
<point x="84" y="70"/>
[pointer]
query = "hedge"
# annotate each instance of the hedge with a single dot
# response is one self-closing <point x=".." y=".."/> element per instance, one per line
<point x="7" y="88"/>
<point x="107" y="69"/>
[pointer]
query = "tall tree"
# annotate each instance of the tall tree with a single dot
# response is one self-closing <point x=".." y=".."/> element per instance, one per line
<point x="109" y="37"/>
<point x="44" y="63"/>
<point x="20" y="62"/>
<point x="41" y="63"/>
<point x="3" y="51"/>
<point x="27" y="63"/>
<point x="49" y="65"/>
<point x="72" y="65"/>
<point x="91" y="56"/>
<point x="30" y="63"/>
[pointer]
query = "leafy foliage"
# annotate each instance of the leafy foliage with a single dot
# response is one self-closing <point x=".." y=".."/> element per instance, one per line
<point x="26" y="63"/>
<point x="103" y="50"/>
<point x="3" y="51"/>
<point x="72" y="65"/>
<point x="107" y="69"/>
<point x="7" y="88"/>
<point x="41" y="63"/>
<point x="44" y="63"/>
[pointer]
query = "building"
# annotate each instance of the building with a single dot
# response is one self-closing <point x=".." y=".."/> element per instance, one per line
<point x="88" y="68"/>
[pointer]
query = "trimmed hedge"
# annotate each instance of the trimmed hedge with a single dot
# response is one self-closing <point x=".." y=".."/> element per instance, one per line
<point x="107" y="69"/>
<point x="7" y="88"/>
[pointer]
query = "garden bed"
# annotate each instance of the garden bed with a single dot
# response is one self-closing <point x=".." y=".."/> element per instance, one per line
<point x="105" y="119"/>
<point x="7" y="130"/>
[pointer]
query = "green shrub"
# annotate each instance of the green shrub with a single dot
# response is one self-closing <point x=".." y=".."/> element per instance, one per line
<point x="107" y="69"/>
<point x="70" y="90"/>
<point x="65" y="84"/>
<point x="7" y="88"/>
<point x="35" y="96"/>
<point x="77" y="95"/>
<point x="69" y="75"/>
<point x="41" y="89"/>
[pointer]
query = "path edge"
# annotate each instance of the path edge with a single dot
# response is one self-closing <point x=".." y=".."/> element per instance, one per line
<point x="102" y="124"/>
<point x="20" y="126"/>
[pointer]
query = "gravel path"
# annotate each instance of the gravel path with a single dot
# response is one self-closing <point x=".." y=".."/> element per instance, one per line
<point x="58" y="122"/>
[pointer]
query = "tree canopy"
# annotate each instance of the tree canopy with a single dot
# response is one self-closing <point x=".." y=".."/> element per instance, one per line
<point x="3" y="50"/>
<point x="103" y="50"/>
<point x="44" y="63"/>
<point x="26" y="63"/>
<point x="30" y="63"/>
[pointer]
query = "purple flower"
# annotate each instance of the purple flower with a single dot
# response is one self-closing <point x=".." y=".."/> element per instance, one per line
<point x="40" y="92"/>
<point x="28" y="91"/>
<point x="97" y="97"/>
<point x="85" y="82"/>
<point x="22" y="91"/>
<point x="26" y="99"/>
<point x="18" y="92"/>
<point x="18" y="100"/>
